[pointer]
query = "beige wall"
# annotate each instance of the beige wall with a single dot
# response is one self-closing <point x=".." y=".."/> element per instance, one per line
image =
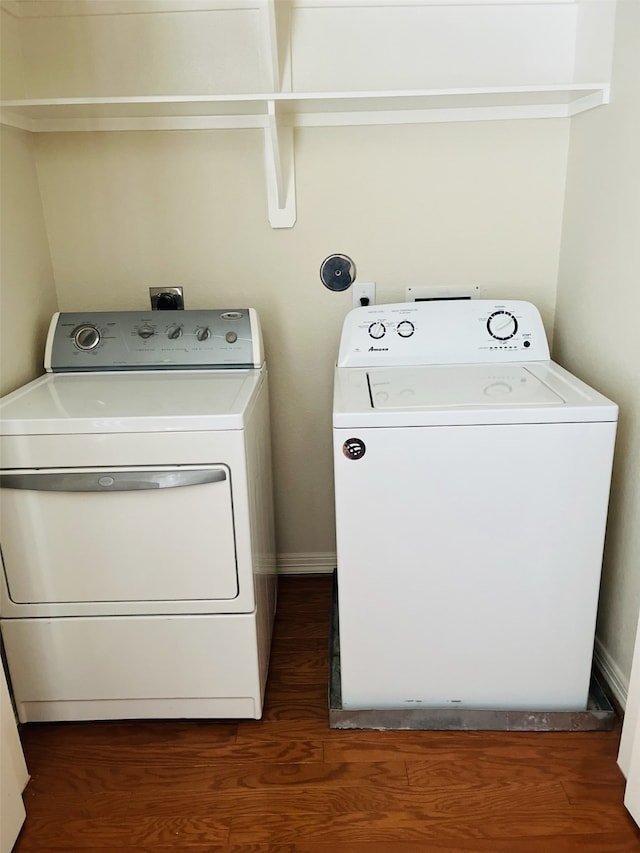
<point x="597" y="316"/>
<point x="27" y="294"/>
<point x="460" y="203"/>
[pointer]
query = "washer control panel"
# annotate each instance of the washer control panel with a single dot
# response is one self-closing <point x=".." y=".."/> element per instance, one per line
<point x="146" y="340"/>
<point x="443" y="332"/>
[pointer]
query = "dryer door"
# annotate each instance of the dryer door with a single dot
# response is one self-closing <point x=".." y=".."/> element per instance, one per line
<point x="97" y="536"/>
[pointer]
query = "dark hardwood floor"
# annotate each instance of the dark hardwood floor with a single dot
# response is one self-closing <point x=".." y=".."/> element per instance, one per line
<point x="289" y="784"/>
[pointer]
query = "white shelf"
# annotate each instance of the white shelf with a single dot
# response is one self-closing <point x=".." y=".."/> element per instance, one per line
<point x="135" y="113"/>
<point x="300" y="109"/>
<point x="440" y="105"/>
<point x="546" y="52"/>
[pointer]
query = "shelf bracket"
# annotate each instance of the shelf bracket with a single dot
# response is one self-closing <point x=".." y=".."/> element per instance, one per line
<point x="280" y="170"/>
<point x="276" y="43"/>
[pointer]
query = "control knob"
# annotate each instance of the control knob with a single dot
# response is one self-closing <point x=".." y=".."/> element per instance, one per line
<point x="502" y="325"/>
<point x="377" y="330"/>
<point x="86" y="337"/>
<point x="174" y="332"/>
<point x="146" y="332"/>
<point x="203" y="333"/>
<point x="406" y="328"/>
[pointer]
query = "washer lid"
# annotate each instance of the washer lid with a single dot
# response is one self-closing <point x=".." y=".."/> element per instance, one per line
<point x="71" y="403"/>
<point x="458" y="387"/>
<point x="440" y="395"/>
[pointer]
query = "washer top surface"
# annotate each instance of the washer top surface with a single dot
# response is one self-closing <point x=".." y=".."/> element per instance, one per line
<point x="456" y="386"/>
<point x="534" y="392"/>
<point x="153" y="401"/>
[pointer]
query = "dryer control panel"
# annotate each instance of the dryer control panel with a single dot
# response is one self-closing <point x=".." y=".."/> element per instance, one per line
<point x="443" y="332"/>
<point x="154" y="340"/>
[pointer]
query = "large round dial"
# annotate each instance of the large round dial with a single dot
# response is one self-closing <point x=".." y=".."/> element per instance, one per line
<point x="203" y="333"/>
<point x="86" y="337"/>
<point x="405" y="328"/>
<point x="502" y="325"/>
<point x="174" y="332"/>
<point x="377" y="330"/>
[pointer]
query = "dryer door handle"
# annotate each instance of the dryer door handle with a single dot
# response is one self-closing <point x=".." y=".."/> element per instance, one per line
<point x="111" y="481"/>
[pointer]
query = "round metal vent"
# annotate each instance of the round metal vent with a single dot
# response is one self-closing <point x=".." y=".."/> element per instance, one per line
<point x="338" y="272"/>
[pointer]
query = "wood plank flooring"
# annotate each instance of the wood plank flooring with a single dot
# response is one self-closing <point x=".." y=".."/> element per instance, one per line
<point x="289" y="784"/>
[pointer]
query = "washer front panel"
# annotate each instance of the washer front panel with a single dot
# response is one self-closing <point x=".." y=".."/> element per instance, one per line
<point x="481" y="548"/>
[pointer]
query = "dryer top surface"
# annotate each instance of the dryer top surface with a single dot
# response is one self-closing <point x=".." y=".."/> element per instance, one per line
<point x="160" y="401"/>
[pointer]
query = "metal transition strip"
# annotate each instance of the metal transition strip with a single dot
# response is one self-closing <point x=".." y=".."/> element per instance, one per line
<point x="599" y="715"/>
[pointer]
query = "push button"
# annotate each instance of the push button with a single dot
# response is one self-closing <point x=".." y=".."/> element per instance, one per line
<point x="354" y="448"/>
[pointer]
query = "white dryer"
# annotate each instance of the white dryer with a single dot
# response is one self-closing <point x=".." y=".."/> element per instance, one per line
<point x="136" y="523"/>
<point x="472" y="478"/>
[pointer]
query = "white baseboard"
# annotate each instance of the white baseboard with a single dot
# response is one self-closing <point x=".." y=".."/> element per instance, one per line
<point x="316" y="562"/>
<point x="609" y="671"/>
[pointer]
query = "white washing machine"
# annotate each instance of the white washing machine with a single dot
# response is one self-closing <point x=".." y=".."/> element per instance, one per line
<point x="136" y="523"/>
<point x="472" y="479"/>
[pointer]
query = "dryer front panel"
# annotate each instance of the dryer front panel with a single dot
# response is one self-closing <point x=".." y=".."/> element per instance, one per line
<point x="98" y="540"/>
